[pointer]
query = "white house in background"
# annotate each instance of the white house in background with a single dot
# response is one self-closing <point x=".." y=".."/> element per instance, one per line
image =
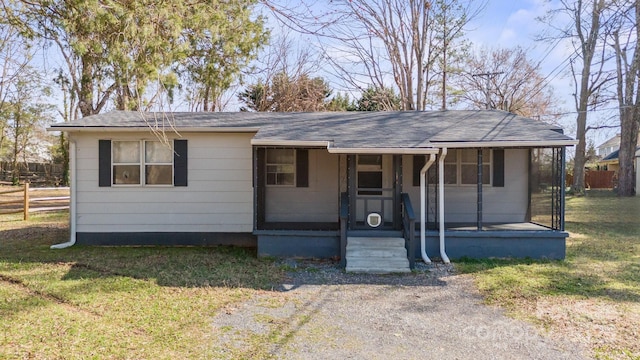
<point x="485" y="183"/>
<point x="609" y="146"/>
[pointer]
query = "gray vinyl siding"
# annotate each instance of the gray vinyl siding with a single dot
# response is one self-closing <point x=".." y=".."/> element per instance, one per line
<point x="500" y="204"/>
<point x="218" y="197"/>
<point x="316" y="203"/>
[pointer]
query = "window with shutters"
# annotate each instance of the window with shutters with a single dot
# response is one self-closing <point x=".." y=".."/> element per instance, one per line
<point x="141" y="163"/>
<point x="281" y="167"/>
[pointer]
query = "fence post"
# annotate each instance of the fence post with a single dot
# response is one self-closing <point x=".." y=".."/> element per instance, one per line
<point x="26" y="201"/>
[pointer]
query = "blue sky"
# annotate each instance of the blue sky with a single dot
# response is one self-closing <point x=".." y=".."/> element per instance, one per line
<point x="513" y="23"/>
<point x="509" y="24"/>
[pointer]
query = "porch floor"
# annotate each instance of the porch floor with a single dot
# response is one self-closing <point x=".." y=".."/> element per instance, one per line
<point x="523" y="226"/>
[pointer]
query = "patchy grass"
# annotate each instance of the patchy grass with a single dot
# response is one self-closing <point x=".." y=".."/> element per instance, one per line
<point x="115" y="302"/>
<point x="593" y="297"/>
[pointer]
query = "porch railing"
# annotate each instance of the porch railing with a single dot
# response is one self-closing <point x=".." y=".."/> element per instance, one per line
<point x="409" y="229"/>
<point x="344" y="223"/>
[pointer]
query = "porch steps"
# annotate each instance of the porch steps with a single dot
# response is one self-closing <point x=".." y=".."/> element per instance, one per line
<point x="376" y="255"/>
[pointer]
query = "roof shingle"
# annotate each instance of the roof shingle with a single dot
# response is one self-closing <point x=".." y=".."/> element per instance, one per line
<point x="410" y="129"/>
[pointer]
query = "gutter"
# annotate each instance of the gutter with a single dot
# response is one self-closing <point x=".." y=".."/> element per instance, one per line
<point x="72" y="198"/>
<point x="382" y="150"/>
<point x="502" y="144"/>
<point x="423" y="210"/>
<point x="307" y="143"/>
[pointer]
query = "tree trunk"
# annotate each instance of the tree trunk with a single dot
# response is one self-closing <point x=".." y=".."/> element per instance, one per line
<point x="15" y="171"/>
<point x="589" y="42"/>
<point x="580" y="157"/>
<point x="628" y="84"/>
<point x="628" y="141"/>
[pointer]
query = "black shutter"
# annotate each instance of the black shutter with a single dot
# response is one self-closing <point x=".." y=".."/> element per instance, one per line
<point x="104" y="163"/>
<point x="302" y="168"/>
<point x="418" y="164"/>
<point x="498" y="167"/>
<point x="180" y="162"/>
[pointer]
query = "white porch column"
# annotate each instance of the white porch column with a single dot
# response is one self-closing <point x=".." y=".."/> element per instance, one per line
<point x="443" y="155"/>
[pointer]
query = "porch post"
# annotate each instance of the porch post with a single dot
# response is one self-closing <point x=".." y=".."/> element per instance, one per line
<point x="562" y="186"/>
<point x="397" y="191"/>
<point x="351" y="188"/>
<point x="479" y="214"/>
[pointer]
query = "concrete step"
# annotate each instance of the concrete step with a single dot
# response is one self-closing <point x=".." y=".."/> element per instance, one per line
<point x="377" y="252"/>
<point x="378" y="265"/>
<point x="375" y="242"/>
<point x="376" y="255"/>
<point x="378" y="271"/>
<point x="377" y="262"/>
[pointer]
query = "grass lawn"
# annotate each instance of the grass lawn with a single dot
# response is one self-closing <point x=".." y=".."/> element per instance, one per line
<point x="115" y="302"/>
<point x="593" y="297"/>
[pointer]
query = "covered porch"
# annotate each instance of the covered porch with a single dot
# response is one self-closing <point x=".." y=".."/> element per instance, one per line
<point x="295" y="219"/>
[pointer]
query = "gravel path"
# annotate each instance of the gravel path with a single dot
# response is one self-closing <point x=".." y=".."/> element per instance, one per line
<point x="323" y="313"/>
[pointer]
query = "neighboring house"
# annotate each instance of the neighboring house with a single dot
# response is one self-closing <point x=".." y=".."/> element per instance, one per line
<point x="609" y="146"/>
<point x="608" y="152"/>
<point x="309" y="184"/>
<point x="612" y="163"/>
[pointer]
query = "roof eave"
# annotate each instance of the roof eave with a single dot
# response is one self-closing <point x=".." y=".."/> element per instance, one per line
<point x="499" y="144"/>
<point x="292" y="143"/>
<point x="394" y="151"/>
<point x="148" y="128"/>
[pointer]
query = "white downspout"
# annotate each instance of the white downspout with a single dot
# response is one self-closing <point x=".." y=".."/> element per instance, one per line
<point x="72" y="199"/>
<point x="423" y="210"/>
<point x="443" y="155"/>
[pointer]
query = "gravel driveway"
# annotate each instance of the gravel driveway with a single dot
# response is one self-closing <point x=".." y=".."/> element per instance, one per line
<point x="323" y="313"/>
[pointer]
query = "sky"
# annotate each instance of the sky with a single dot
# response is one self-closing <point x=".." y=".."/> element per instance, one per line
<point x="514" y="23"/>
<point x="507" y="24"/>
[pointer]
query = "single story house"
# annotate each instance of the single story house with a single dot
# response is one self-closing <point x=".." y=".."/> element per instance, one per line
<point x="484" y="183"/>
<point x="612" y="163"/>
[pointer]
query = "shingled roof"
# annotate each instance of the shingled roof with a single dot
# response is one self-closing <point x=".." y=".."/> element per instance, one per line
<point x="346" y="130"/>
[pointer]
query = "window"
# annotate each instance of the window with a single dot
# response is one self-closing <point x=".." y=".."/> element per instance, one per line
<point x="281" y="169"/>
<point x="129" y="164"/>
<point x="369" y="174"/>
<point x="460" y="167"/>
<point x="158" y="163"/>
<point x="126" y="162"/>
<point x="469" y="166"/>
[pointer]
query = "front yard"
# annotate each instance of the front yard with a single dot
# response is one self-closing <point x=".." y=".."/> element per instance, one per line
<point x="101" y="302"/>
<point x="159" y="302"/>
<point x="594" y="296"/>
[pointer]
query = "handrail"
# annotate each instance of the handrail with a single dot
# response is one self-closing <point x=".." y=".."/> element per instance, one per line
<point x="344" y="222"/>
<point x="409" y="228"/>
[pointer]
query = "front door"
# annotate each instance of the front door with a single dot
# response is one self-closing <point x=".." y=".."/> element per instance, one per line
<point x="374" y="192"/>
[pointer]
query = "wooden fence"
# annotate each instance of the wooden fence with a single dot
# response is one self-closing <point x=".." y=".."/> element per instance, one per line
<point x="596" y="179"/>
<point x="21" y="204"/>
<point x="44" y="174"/>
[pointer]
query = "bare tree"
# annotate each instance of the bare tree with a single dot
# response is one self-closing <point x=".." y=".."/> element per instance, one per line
<point x="285" y="80"/>
<point x="14" y="60"/>
<point x="511" y="82"/>
<point x="388" y="43"/>
<point x="626" y="37"/>
<point x="587" y="66"/>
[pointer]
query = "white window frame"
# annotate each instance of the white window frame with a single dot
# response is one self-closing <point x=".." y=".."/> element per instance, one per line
<point x="458" y="154"/>
<point x="142" y="163"/>
<point x="267" y="164"/>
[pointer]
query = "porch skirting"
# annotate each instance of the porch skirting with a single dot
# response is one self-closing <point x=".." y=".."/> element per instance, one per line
<point x="298" y="243"/>
<point x="165" y="239"/>
<point x="544" y="244"/>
